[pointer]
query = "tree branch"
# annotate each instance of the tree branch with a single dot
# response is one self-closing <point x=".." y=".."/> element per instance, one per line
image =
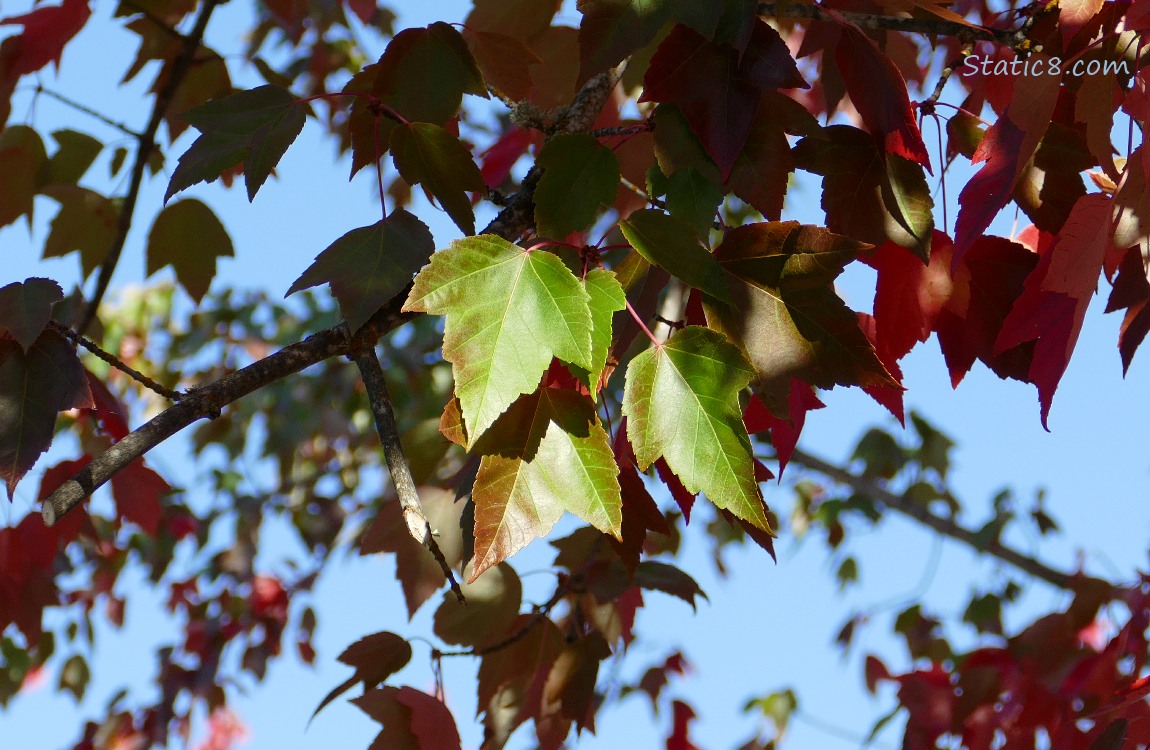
<point x="144" y="147"/>
<point x="944" y="526"/>
<point x="413" y="514"/>
<point x="930" y="26"/>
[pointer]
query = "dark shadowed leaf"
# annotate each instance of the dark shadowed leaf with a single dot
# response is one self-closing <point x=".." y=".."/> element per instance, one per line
<point x="428" y="155"/>
<point x="189" y="237"/>
<point x="87" y="222"/>
<point x="374" y="657"/>
<point x="580" y="175"/>
<point x="26" y="308"/>
<point x="493" y="601"/>
<point x="368" y="266"/>
<point x="658" y="576"/>
<point x="138" y="492"/>
<point x="672" y="244"/>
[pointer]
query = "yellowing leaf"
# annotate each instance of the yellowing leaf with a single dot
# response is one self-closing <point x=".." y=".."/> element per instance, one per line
<point x="254" y="127"/>
<point x="509" y="312"/>
<point x="189" y="237"/>
<point x="368" y="266"/>
<point x="553" y="455"/>
<point x="681" y="401"/>
<point x="580" y="174"/>
<point x="87" y="222"/>
<point x="427" y="154"/>
<point x="672" y="244"/>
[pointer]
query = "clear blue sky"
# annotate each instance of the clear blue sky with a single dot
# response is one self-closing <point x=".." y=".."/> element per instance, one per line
<point x="767" y="627"/>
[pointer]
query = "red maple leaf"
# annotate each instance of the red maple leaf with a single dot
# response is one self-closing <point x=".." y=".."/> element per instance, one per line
<point x="46" y="30"/>
<point x="784" y="432"/>
<point x="1131" y="292"/>
<point x="137" y="490"/>
<point x="909" y="294"/>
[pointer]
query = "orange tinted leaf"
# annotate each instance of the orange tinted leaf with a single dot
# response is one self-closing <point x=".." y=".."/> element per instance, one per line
<point x="504" y="60"/>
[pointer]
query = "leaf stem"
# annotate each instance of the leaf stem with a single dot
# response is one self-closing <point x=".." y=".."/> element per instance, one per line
<point x="643" y="325"/>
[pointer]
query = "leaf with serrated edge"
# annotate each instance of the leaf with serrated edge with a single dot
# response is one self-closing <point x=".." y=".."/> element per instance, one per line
<point x="681" y="401"/>
<point x="607" y="297"/>
<point x="189" y="237"/>
<point x="509" y="312"/>
<point x="428" y="155"/>
<point x="672" y="244"/>
<point x="579" y="175"/>
<point x="368" y="266"/>
<point x="26" y="308"/>
<point x="553" y="455"/>
<point x="255" y="127"/>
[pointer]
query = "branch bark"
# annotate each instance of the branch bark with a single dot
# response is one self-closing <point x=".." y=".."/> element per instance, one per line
<point x="145" y="144"/>
<point x="944" y="526"/>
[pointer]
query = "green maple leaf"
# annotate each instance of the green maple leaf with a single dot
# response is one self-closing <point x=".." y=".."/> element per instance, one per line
<point x="87" y="222"/>
<point x="681" y="400"/>
<point x="672" y="244"/>
<point x="254" y="127"/>
<point x="509" y="312"/>
<point x="580" y="174"/>
<point x="550" y="455"/>
<point x="427" y="154"/>
<point x="368" y="266"/>
<point x="785" y="313"/>
<point x="23" y="161"/>
<point x="188" y="236"/>
<point x="607" y="297"/>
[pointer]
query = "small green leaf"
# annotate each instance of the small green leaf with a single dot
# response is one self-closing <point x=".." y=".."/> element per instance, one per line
<point x="87" y="222"/>
<point x="681" y="401"/>
<point x="368" y="266"/>
<point x="22" y="161"/>
<point x="74" y="156"/>
<point x="74" y="676"/>
<point x="26" y="308"/>
<point x="254" y="127"/>
<point x="694" y="199"/>
<point x="580" y="175"/>
<point x="427" y="154"/>
<point x="672" y="244"/>
<point x="606" y="298"/>
<point x="188" y="236"/>
<point x="509" y="312"/>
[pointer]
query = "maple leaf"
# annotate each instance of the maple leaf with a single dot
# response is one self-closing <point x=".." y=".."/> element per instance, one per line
<point x="368" y="266"/>
<point x="1131" y="292"/>
<point x="22" y="161"/>
<point x="682" y="715"/>
<point x="784" y="431"/>
<point x="374" y="658"/>
<point x="505" y="61"/>
<point x="673" y="245"/>
<point x="47" y="30"/>
<point x="1081" y="248"/>
<point x="75" y="153"/>
<point x="35" y="384"/>
<point x="427" y="154"/>
<point x="423" y="75"/>
<point x="493" y="601"/>
<point x="762" y="169"/>
<point x="509" y="311"/>
<point x="716" y="88"/>
<point x="606" y="296"/>
<point x="507" y="693"/>
<point x="681" y="403"/>
<point x="26" y="308"/>
<point x="579" y="175"/>
<point x="522" y="19"/>
<point x="879" y="93"/>
<point x="689" y="196"/>
<point x="657" y="576"/>
<point x="1074" y="14"/>
<point x="785" y="313"/>
<point x="548" y="454"/>
<point x="612" y="29"/>
<point x="254" y="127"/>
<point x="87" y="222"/>
<point x="138" y="490"/>
<point x="187" y="236"/>
<point x="867" y="195"/>
<point x="909" y="294"/>
<point x="412" y="720"/>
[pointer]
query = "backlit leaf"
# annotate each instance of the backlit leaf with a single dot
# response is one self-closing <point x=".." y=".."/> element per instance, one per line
<point x="34" y="386"/>
<point x="681" y="403"/>
<point x="428" y="155"/>
<point x="606" y="298"/>
<point x="522" y="19"/>
<point x="785" y="313"/>
<point x="412" y="720"/>
<point x="672" y="244"/>
<point x="254" y="127"/>
<point x="22" y="160"/>
<point x="368" y="266"/>
<point x="75" y="153"/>
<point x="580" y="175"/>
<point x="504" y="60"/>
<point x="493" y="601"/>
<point x="26" y="307"/>
<point x="548" y="454"/>
<point x="189" y="237"/>
<point x="47" y="29"/>
<point x="509" y="312"/>
<point x="138" y="491"/>
<point x="87" y="222"/>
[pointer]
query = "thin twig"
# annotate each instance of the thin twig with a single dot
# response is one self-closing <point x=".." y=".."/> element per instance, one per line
<point x="88" y="111"/>
<point x="146" y="143"/>
<point x="418" y="526"/>
<point x="944" y="526"/>
<point x="115" y="361"/>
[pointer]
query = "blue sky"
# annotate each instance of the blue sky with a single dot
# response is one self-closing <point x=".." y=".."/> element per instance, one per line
<point x="768" y="626"/>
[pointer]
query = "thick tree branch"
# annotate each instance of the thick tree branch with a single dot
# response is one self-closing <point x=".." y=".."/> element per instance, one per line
<point x="944" y="526"/>
<point x="413" y="515"/>
<point x="931" y="26"/>
<point x="146" y="143"/>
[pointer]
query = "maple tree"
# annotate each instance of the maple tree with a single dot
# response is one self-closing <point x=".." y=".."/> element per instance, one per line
<point x="635" y="312"/>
